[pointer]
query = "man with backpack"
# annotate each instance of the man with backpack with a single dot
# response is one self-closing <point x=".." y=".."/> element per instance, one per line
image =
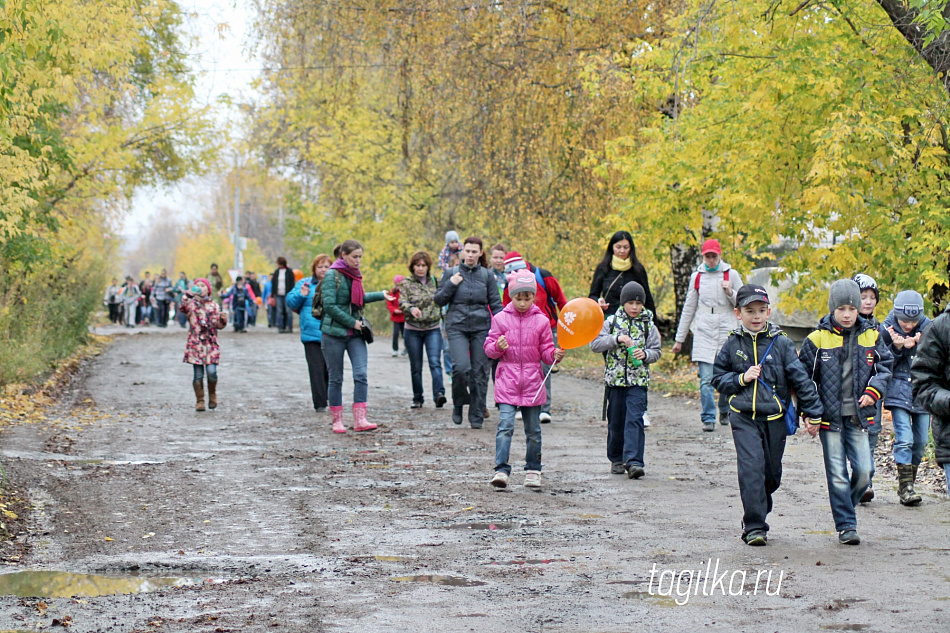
<point x="710" y="310"/>
<point x="550" y="298"/>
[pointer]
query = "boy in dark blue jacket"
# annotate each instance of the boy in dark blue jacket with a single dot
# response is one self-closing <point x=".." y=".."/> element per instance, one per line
<point x="756" y="369"/>
<point x="851" y="366"/>
<point x="240" y="297"/>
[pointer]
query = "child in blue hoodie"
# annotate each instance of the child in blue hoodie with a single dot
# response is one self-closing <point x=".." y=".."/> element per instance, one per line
<point x="902" y="330"/>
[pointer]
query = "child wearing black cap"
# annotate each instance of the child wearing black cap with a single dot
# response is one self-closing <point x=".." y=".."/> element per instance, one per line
<point x="630" y="342"/>
<point x="851" y="365"/>
<point x="756" y="369"/>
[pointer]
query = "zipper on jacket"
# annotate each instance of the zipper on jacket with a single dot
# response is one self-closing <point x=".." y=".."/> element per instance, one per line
<point x="755" y="356"/>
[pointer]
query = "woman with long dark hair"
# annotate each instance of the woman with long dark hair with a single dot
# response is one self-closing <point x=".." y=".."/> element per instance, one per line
<point x="471" y="294"/>
<point x="342" y="332"/>
<point x="619" y="267"/>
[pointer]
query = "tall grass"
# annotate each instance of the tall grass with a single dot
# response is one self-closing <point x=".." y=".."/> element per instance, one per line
<point x="44" y="316"/>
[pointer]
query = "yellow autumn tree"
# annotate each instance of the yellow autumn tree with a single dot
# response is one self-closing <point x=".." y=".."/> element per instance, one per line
<point x="95" y="100"/>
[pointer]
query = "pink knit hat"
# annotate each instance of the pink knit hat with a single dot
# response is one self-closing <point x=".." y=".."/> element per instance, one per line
<point x="521" y="281"/>
<point x="202" y="280"/>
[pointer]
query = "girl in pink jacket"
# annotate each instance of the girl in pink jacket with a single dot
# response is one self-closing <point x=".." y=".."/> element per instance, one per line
<point x="520" y="338"/>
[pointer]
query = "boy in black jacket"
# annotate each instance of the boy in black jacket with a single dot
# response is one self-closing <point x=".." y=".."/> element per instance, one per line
<point x="931" y="379"/>
<point x="755" y="370"/>
<point x="851" y="366"/>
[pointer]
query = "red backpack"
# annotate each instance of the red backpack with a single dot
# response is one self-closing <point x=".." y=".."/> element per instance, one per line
<point x="725" y="277"/>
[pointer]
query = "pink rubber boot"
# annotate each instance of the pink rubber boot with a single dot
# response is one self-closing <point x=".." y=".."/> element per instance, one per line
<point x="337" y="413"/>
<point x="359" y="418"/>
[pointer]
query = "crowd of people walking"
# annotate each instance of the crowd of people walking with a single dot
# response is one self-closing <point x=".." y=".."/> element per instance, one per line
<point x="489" y="314"/>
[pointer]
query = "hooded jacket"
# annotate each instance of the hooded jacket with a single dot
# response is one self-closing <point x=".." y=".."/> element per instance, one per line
<point x="710" y="311"/>
<point x="519" y="379"/>
<point x="473" y="302"/>
<point x="618" y="369"/>
<point x="930" y="373"/>
<point x="823" y="353"/>
<point x="900" y="390"/>
<point x="309" y="326"/>
<point x="782" y="371"/>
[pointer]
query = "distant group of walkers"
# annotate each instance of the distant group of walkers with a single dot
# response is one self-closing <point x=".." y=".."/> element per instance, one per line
<point x="492" y="315"/>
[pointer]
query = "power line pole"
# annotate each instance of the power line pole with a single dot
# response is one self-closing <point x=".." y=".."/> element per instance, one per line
<point x="237" y="224"/>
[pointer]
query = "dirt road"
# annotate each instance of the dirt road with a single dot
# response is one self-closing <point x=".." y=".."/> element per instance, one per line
<point x="281" y="525"/>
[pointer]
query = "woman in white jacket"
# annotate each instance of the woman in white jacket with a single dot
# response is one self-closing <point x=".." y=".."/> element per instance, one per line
<point x="709" y="308"/>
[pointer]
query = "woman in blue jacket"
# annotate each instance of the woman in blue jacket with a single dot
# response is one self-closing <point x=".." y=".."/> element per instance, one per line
<point x="300" y="300"/>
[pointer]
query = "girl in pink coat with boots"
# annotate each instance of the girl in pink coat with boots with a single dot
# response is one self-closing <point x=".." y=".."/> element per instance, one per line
<point x="520" y="338"/>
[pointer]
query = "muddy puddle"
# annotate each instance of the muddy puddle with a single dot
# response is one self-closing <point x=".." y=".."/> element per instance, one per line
<point x="660" y="601"/>
<point x="451" y="581"/>
<point x="57" y="584"/>
<point x="482" y="526"/>
<point x="530" y="561"/>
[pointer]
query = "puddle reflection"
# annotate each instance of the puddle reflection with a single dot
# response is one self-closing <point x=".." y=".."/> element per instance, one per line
<point x="57" y="584"/>
<point x="452" y="581"/>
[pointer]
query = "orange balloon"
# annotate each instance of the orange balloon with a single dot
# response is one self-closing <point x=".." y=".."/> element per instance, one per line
<point x="579" y="323"/>
<point x="298" y="275"/>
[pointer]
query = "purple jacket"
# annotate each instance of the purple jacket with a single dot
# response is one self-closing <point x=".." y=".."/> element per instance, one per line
<point x="519" y="376"/>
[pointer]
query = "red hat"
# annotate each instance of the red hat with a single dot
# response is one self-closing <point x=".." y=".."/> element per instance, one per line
<point x="712" y="246"/>
<point x="514" y="261"/>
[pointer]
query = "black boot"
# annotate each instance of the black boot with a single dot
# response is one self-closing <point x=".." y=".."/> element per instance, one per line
<point x="906" y="474"/>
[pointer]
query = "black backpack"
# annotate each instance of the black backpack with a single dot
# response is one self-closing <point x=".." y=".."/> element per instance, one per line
<point x="316" y="308"/>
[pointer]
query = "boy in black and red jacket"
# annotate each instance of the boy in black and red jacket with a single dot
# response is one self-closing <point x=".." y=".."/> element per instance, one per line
<point x="851" y="366"/>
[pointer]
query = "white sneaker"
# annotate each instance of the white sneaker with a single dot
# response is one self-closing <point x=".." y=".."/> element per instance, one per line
<point x="518" y="414"/>
<point x="395" y="354"/>
<point x="646" y="421"/>
<point x="545" y="417"/>
<point x="532" y="479"/>
<point x="500" y="480"/>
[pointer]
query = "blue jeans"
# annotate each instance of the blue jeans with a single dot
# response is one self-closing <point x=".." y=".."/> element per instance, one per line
<point x="333" y="349"/>
<point x="200" y="372"/>
<point x="431" y="340"/>
<point x="707" y="396"/>
<point x="239" y="316"/>
<point x="946" y="473"/>
<point x="844" y="492"/>
<point x="625" y="435"/>
<point x="446" y="353"/>
<point x="531" y="416"/>
<point x="285" y="318"/>
<point x="912" y="432"/>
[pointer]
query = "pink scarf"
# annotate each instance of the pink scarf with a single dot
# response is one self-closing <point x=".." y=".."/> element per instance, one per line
<point x="356" y="281"/>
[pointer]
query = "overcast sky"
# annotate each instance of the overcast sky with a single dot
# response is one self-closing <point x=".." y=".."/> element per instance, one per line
<point x="220" y="59"/>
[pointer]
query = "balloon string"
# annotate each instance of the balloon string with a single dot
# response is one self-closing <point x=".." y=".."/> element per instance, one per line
<point x="538" y="392"/>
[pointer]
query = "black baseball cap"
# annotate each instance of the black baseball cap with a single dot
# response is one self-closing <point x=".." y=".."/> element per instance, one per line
<point x="751" y="292"/>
